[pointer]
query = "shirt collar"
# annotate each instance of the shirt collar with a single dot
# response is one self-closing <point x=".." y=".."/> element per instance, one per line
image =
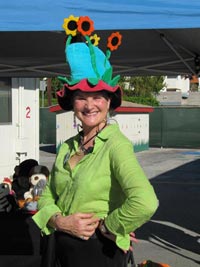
<point x="100" y="138"/>
<point x="104" y="135"/>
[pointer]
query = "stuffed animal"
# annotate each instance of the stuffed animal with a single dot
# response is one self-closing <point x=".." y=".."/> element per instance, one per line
<point x="8" y="183"/>
<point x="37" y="184"/>
<point x="29" y="180"/>
<point x="20" y="183"/>
<point x="7" y="196"/>
<point x="37" y="178"/>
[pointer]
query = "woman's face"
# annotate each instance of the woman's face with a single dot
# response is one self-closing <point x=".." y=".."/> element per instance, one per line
<point x="91" y="108"/>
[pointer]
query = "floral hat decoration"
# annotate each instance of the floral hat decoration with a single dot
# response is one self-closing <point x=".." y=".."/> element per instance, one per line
<point x="90" y="68"/>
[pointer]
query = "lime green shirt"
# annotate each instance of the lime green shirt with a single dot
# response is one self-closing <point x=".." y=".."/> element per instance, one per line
<point x="108" y="182"/>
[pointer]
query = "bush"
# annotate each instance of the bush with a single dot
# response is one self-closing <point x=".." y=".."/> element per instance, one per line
<point x="150" y="101"/>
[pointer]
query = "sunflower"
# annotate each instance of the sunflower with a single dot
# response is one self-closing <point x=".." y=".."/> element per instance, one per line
<point x="85" y="25"/>
<point x="114" y="41"/>
<point x="95" y="39"/>
<point x="70" y="25"/>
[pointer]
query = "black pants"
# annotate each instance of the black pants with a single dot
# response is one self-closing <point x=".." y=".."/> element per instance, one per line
<point x="98" y="251"/>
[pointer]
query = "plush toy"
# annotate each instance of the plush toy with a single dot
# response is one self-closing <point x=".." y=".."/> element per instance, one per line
<point x="8" y="183"/>
<point x="20" y="183"/>
<point x="37" y="184"/>
<point x="29" y="180"/>
<point x="7" y="196"/>
<point x="37" y="178"/>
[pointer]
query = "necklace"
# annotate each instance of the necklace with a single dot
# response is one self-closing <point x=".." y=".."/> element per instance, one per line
<point x="82" y="149"/>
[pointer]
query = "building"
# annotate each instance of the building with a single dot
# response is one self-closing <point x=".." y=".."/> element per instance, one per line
<point x="19" y="122"/>
<point x="180" y="90"/>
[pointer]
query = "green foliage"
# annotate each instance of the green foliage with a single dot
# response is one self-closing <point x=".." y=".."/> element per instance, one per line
<point x="47" y="96"/>
<point x="143" y="89"/>
<point x="44" y="101"/>
<point x="56" y="84"/>
<point x="149" y="101"/>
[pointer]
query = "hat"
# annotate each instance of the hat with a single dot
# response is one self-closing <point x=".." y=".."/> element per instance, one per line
<point x="90" y="68"/>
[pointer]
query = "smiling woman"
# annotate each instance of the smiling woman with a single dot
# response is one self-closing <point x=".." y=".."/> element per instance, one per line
<point x="97" y="193"/>
<point x="91" y="109"/>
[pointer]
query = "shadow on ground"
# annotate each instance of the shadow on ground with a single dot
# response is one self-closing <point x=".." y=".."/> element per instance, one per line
<point x="48" y="148"/>
<point x="175" y="225"/>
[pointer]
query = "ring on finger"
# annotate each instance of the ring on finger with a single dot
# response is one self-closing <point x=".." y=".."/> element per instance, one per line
<point x="82" y="237"/>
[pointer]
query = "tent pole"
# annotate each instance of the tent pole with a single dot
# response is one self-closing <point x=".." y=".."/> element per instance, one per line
<point x="150" y="67"/>
<point x="176" y="52"/>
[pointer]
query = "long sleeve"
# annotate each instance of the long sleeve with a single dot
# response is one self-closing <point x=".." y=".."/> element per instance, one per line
<point x="140" y="199"/>
<point x="53" y="197"/>
<point x="46" y="207"/>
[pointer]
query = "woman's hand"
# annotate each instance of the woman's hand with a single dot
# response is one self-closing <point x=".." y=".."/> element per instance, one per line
<point x="112" y="237"/>
<point x="132" y="239"/>
<point x="82" y="225"/>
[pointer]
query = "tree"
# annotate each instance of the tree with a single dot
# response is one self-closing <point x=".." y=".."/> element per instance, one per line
<point x="56" y="84"/>
<point x="49" y="96"/>
<point x="143" y="89"/>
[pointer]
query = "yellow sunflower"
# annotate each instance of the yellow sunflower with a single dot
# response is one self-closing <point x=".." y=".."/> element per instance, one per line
<point x="85" y="25"/>
<point x="114" y="41"/>
<point x="94" y="39"/>
<point x="70" y="25"/>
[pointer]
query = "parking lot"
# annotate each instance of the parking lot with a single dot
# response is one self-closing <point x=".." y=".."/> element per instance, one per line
<point x="173" y="234"/>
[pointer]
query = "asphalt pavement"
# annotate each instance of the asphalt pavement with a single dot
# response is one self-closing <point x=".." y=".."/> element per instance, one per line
<point x="172" y="236"/>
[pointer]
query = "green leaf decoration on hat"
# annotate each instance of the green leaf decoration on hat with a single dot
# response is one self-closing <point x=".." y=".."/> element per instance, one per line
<point x="107" y="77"/>
<point x="63" y="79"/>
<point x="67" y="80"/>
<point x="115" y="80"/>
<point x="93" y="81"/>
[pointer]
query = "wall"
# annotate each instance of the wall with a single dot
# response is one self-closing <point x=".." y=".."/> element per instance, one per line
<point x="175" y="127"/>
<point x="134" y="126"/>
<point x="20" y="138"/>
<point x="168" y="127"/>
<point x="179" y="83"/>
<point x="47" y="126"/>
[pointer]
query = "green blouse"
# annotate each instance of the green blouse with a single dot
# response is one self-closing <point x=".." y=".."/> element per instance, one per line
<point x="108" y="182"/>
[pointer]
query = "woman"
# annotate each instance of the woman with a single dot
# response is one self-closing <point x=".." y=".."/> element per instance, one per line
<point x="97" y="194"/>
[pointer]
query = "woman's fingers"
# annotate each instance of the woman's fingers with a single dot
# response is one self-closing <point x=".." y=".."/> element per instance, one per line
<point x="80" y="224"/>
<point x="133" y="238"/>
<point x="90" y="227"/>
<point x="87" y="218"/>
<point x="87" y="222"/>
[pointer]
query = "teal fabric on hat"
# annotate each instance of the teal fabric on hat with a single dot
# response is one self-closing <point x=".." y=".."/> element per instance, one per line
<point x="79" y="57"/>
